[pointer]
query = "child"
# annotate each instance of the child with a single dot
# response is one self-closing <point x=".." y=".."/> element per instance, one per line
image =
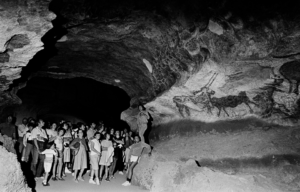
<point x="95" y="157"/>
<point x="49" y="154"/>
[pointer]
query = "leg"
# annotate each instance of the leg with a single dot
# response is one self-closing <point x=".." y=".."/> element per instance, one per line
<point x="35" y="156"/>
<point x="60" y="166"/>
<point x="26" y="152"/>
<point x="54" y="169"/>
<point x="101" y="171"/>
<point x="106" y="171"/>
<point x="40" y="165"/>
<point x="75" y="175"/>
<point x="97" y="176"/>
<point x="80" y="174"/>
<point x="142" y="129"/>
<point x="130" y="172"/>
<point x="21" y="146"/>
<point x="112" y="167"/>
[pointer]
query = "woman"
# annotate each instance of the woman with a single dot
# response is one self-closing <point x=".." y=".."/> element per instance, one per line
<point x="127" y="143"/>
<point x="106" y="156"/>
<point x="67" y="138"/>
<point x="58" y="160"/>
<point x="142" y="121"/>
<point x="80" y="159"/>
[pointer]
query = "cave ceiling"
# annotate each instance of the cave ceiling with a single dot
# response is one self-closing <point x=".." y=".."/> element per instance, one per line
<point x="147" y="47"/>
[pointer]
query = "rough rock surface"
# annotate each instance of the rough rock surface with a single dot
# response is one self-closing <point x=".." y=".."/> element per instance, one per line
<point x="11" y="175"/>
<point x="22" y="25"/>
<point x="7" y="143"/>
<point x="237" y="156"/>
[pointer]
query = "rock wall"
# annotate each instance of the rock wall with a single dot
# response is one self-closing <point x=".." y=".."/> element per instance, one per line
<point x="11" y="175"/>
<point x="233" y="156"/>
<point x="22" y="25"/>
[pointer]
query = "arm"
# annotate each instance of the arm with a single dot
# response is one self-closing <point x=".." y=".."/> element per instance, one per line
<point x="93" y="149"/>
<point x="119" y="141"/>
<point x="73" y="143"/>
<point x="52" y="138"/>
<point x="25" y="140"/>
<point x="36" y="145"/>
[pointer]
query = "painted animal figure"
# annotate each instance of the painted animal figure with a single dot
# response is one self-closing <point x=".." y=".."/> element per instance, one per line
<point x="231" y="101"/>
<point x="291" y="72"/>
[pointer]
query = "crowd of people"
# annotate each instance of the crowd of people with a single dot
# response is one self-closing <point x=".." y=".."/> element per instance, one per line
<point x="53" y="150"/>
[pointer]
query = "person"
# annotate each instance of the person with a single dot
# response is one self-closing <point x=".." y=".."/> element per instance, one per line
<point x="28" y="144"/>
<point x="91" y="131"/>
<point x="80" y="159"/>
<point x="52" y="132"/>
<point x="58" y="160"/>
<point x="119" y="152"/>
<point x="112" y="131"/>
<point x="106" y="156"/>
<point x="8" y="128"/>
<point x="49" y="152"/>
<point x="67" y="138"/>
<point x="40" y="138"/>
<point x="22" y="130"/>
<point x="94" y="158"/>
<point x="127" y="143"/>
<point x="112" y="167"/>
<point x="136" y="150"/>
<point x="142" y="121"/>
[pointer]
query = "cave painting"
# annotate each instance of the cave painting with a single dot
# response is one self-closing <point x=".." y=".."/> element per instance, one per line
<point x="291" y="72"/>
<point x="202" y="100"/>
<point x="267" y="103"/>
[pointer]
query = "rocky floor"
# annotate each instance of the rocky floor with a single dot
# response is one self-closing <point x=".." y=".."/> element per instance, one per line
<point x="247" y="157"/>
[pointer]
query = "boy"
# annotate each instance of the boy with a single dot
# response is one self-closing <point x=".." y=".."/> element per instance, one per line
<point x="136" y="150"/>
<point x="49" y="153"/>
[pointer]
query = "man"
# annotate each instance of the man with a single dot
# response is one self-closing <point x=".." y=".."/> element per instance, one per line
<point x="8" y="128"/>
<point x="136" y="151"/>
<point x="91" y="131"/>
<point x="142" y="121"/>
<point x="40" y="138"/>
<point x="22" y="129"/>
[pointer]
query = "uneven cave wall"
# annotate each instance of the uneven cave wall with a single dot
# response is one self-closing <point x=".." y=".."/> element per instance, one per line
<point x="22" y="25"/>
<point x="250" y="70"/>
<point x="11" y="175"/>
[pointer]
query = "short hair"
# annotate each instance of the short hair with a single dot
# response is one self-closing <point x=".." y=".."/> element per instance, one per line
<point x="61" y="129"/>
<point x="97" y="133"/>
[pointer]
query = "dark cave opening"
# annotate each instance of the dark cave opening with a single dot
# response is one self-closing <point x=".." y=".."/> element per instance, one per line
<point x="82" y="98"/>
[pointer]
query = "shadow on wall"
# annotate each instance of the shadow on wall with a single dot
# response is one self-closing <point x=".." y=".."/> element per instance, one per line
<point x="269" y="161"/>
<point x="190" y="127"/>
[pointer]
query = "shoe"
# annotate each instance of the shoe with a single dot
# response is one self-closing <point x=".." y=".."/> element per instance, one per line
<point x="73" y="174"/>
<point x="97" y="182"/>
<point x="67" y="170"/>
<point x="81" y="179"/>
<point x="45" y="184"/>
<point x="75" y="180"/>
<point x="64" y="175"/>
<point x="60" y="178"/>
<point x="126" y="183"/>
<point x="121" y="173"/>
<point x="54" y="178"/>
<point x="92" y="181"/>
<point x="107" y="179"/>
